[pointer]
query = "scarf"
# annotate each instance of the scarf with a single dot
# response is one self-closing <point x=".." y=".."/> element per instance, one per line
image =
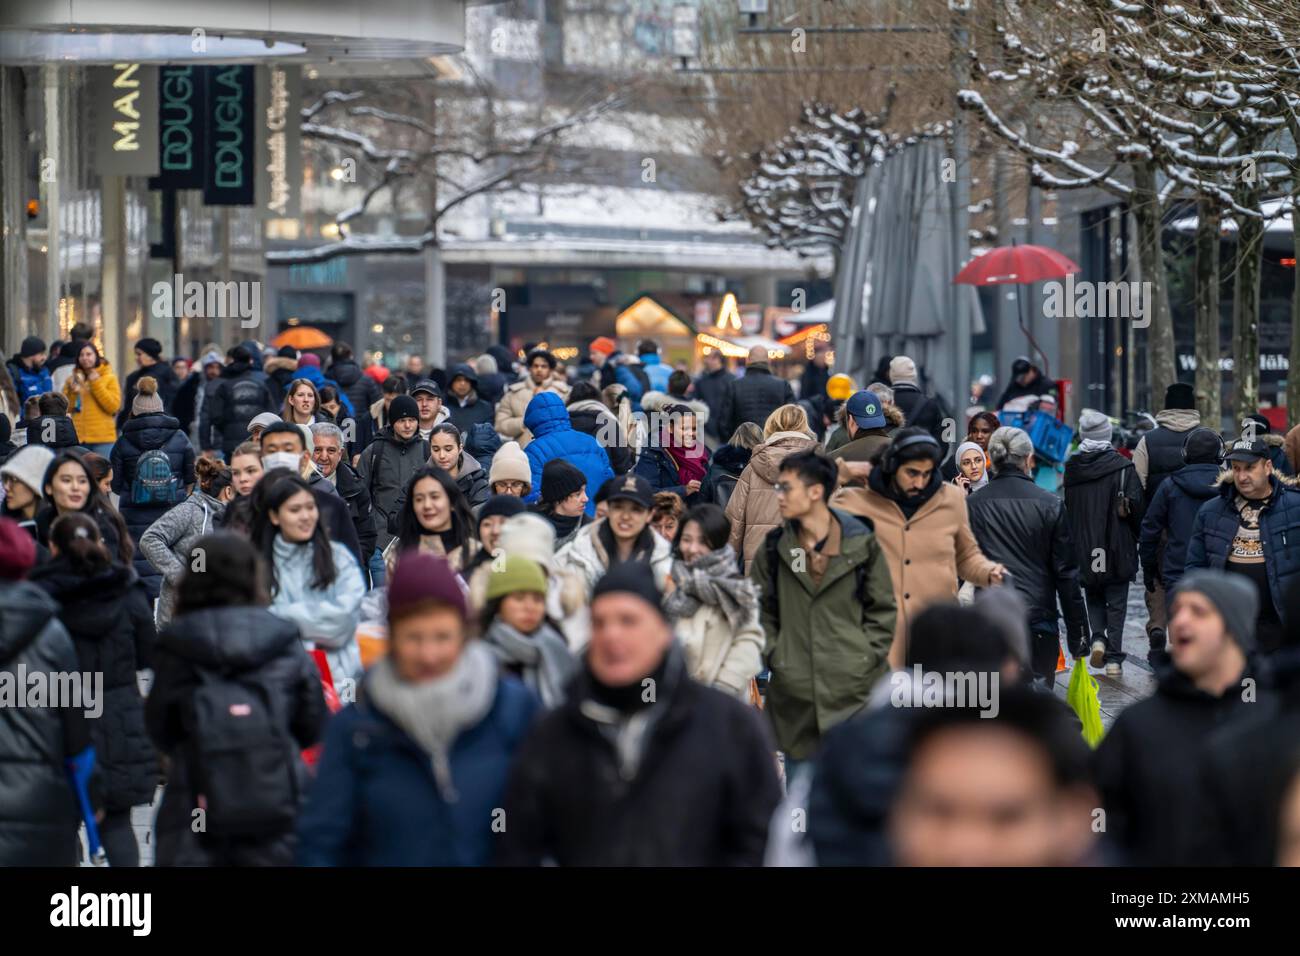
<point x="434" y="713"/>
<point x="543" y="657"/>
<point x="984" y="476"/>
<point x="712" y="581"/>
<point x="692" y="462"/>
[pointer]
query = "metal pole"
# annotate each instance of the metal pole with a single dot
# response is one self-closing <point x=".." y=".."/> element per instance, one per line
<point x="961" y="326"/>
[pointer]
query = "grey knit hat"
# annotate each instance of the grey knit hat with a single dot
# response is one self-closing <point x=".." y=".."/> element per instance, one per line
<point x="1094" y="426"/>
<point x="1009" y="443"/>
<point x="1234" y="596"/>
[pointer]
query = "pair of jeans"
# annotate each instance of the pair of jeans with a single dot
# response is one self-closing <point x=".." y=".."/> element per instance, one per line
<point x="377" y="569"/>
<point x="1107" y="608"/>
<point x="104" y="448"/>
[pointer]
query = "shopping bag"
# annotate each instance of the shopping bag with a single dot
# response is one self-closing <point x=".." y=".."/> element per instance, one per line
<point x="1082" y="696"/>
<point x="1060" y="659"/>
<point x="312" y="754"/>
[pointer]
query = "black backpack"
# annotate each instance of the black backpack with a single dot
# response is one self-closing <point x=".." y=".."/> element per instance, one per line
<point x="243" y="760"/>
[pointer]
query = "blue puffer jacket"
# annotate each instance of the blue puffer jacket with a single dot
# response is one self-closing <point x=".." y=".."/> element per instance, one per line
<point x="376" y="801"/>
<point x="1173" y="510"/>
<point x="139" y="435"/>
<point x="554" y="437"/>
<point x="30" y="384"/>
<point x="656" y="371"/>
<point x="1217" y="522"/>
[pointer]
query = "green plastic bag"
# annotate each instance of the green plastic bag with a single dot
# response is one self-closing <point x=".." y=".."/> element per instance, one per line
<point x="1082" y="696"/>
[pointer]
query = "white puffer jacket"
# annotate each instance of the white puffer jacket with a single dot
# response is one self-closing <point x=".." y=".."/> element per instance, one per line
<point x="718" y="657"/>
<point x="586" y="556"/>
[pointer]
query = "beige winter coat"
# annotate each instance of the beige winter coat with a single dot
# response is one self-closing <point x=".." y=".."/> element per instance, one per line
<point x="509" y="422"/>
<point x="753" y="510"/>
<point x="717" y="656"/>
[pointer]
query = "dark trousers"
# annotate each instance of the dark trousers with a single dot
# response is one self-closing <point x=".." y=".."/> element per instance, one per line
<point x="1044" y="648"/>
<point x="118" y="837"/>
<point x="1107" y="608"/>
<point x="1157" y="609"/>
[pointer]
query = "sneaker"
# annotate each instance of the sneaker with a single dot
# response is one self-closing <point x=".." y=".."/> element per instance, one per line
<point x="1114" y="669"/>
<point x="1098" y="654"/>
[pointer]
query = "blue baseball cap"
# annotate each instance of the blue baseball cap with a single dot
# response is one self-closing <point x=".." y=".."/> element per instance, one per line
<point x="866" y="408"/>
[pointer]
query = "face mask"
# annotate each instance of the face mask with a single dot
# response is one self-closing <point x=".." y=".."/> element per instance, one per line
<point x="281" y="459"/>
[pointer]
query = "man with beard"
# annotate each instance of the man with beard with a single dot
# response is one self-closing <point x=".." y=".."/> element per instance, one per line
<point x="921" y="523"/>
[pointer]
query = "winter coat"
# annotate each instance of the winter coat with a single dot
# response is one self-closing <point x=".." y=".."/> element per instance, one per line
<point x="58" y="429"/>
<point x="593" y="417"/>
<point x="38" y="812"/>
<point x="472" y="480"/>
<point x="326" y="617"/>
<point x="657" y="371"/>
<point x="1159" y="453"/>
<point x="361" y="390"/>
<point x="1291" y="447"/>
<point x="375" y="801"/>
<point x="483" y="443"/>
<point x="472" y="411"/>
<point x="753" y="510"/>
<point x="110" y="620"/>
<point x="756" y="395"/>
<point x="717" y="391"/>
<point x="586" y="556"/>
<point x="510" y="411"/>
<point x="139" y="435"/>
<point x="29" y="384"/>
<point x="1217" y="522"/>
<point x="826" y="644"/>
<point x="238" y="397"/>
<point x="168" y="544"/>
<point x="1025" y="528"/>
<point x="336" y="516"/>
<point x="701" y="795"/>
<point x="814" y="380"/>
<point x="1041" y="385"/>
<point x="350" y="487"/>
<point x="491" y="387"/>
<point x="386" y="468"/>
<point x="1094" y="483"/>
<point x="280" y="371"/>
<point x="862" y="447"/>
<point x="1149" y="769"/>
<point x="920" y="410"/>
<point x="718" y="655"/>
<point x="660" y="469"/>
<point x="167" y="388"/>
<point x="247" y="641"/>
<point x="93" y="410"/>
<point x="184" y="405"/>
<point x="725" y="468"/>
<point x="1277" y="454"/>
<point x="1171" y="513"/>
<point x="927" y="553"/>
<point x="460" y="557"/>
<point x="554" y="437"/>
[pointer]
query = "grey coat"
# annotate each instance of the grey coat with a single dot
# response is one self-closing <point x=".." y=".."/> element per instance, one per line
<point x="167" y="544"/>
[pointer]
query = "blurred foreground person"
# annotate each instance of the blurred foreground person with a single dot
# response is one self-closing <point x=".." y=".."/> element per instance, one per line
<point x="1013" y="790"/>
<point x="412" y="774"/>
<point x="234" y="700"/>
<point x="641" y="766"/>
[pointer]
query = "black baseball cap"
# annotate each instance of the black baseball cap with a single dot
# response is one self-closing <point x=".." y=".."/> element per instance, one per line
<point x="630" y="488"/>
<point x="1244" y="450"/>
<point x="427" y="385"/>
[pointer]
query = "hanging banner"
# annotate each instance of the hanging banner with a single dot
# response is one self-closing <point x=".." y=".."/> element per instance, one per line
<point x="279" y="147"/>
<point x="126" y="119"/>
<point x="231" y="137"/>
<point x="182" y="127"/>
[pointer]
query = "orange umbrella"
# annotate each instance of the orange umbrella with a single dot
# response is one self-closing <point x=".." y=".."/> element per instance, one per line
<point x="302" y="337"/>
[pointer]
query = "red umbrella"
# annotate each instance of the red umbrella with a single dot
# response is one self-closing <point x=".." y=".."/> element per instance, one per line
<point x="1017" y="265"/>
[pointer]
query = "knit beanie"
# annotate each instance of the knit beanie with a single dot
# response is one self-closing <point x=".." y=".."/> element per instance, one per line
<point x="309" y="358"/>
<point x="902" y="369"/>
<point x="1202" y="446"/>
<point x="29" y="464"/>
<point x="1094" y="426"/>
<point x="1234" y="596"/>
<point x="505" y="506"/>
<point x="631" y="577"/>
<point x="529" y="535"/>
<point x="403" y="406"/>
<point x="510" y="464"/>
<point x="146" y="401"/>
<point x="150" y="347"/>
<point x="560" y="479"/>
<point x="31" y="346"/>
<point x="516" y="573"/>
<point x="421" y="579"/>
<point x="1180" y="395"/>
<point x="17" y="551"/>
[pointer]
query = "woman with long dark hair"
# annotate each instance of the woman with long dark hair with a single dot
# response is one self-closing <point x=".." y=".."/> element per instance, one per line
<point x="447" y="453"/>
<point x="70" y="487"/>
<point x="434" y="516"/>
<point x="315" y="583"/>
<point x="106" y="610"/>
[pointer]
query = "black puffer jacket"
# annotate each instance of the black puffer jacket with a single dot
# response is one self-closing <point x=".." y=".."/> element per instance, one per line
<point x="38" y="812"/>
<point x="475" y="411"/>
<point x="242" y="640"/>
<point x="1105" y="544"/>
<point x="702" y="795"/>
<point x="385" y="468"/>
<point x="716" y="390"/>
<point x="1025" y="528"/>
<point x="920" y="410"/>
<point x="725" y="468"/>
<point x="757" y="394"/>
<point x="58" y="429"/>
<point x="111" y="622"/>
<point x="139" y="435"/>
<point x="353" y="491"/>
<point x="362" y="391"/>
<point x="239" y="396"/>
<point x="472" y="480"/>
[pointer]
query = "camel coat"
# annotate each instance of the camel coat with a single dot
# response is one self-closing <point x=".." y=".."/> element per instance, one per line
<point x="753" y="509"/>
<point x="926" y="555"/>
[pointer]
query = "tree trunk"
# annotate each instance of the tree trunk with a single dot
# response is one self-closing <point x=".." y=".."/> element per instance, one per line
<point x="1160" y="330"/>
<point x="1245" y="307"/>
<point x="1293" y="365"/>
<point x="1209" y="397"/>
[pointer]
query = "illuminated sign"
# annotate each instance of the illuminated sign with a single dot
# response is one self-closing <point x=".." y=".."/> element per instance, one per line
<point x="125" y="102"/>
<point x="182" y="129"/>
<point x="728" y="314"/>
<point x="279" y="167"/>
<point x="229" y="162"/>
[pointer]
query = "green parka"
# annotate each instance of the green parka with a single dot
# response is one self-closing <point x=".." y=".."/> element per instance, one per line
<point x="827" y="644"/>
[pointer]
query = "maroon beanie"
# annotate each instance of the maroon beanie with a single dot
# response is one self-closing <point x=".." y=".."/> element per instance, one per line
<point x="307" y="358"/>
<point x="17" y="551"/>
<point x="423" y="578"/>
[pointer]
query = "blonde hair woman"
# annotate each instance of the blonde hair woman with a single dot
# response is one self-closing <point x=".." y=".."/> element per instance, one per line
<point x="752" y="509"/>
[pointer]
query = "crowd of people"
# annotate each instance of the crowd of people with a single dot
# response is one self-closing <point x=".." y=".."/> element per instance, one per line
<point x="520" y="613"/>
